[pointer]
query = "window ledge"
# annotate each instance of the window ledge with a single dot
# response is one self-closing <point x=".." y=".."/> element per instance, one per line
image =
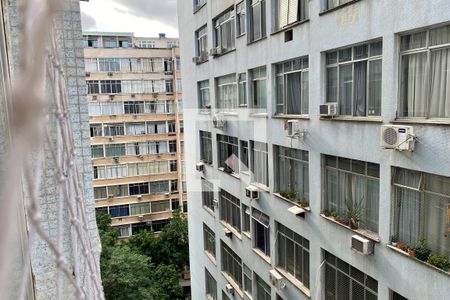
<point x="337" y="7"/>
<point x="241" y="35"/>
<point x="227" y="113"/>
<point x="298" y="284"/>
<point x="198" y="7"/>
<point x="209" y="210"/>
<point x="416" y="259"/>
<point x="261" y="186"/>
<point x="289" y="26"/>
<point x="366" y="233"/>
<point x="202" y="62"/>
<point x="353" y="119"/>
<point x="421" y="121"/>
<point x="256" y="41"/>
<point x="204" y="111"/>
<point x="224" y="53"/>
<point x="233" y="283"/>
<point x="262" y="255"/>
<point x="211" y="258"/>
<point x="235" y="175"/>
<point x="232" y="229"/>
<point x="247" y="234"/>
<point x="285" y="116"/>
<point x="258" y="114"/>
<point x="306" y="208"/>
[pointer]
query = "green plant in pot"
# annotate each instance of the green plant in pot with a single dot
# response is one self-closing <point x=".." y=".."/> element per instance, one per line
<point x="354" y="212"/>
<point x="291" y="195"/>
<point x="422" y="250"/>
<point x="439" y="261"/>
<point x="334" y="214"/>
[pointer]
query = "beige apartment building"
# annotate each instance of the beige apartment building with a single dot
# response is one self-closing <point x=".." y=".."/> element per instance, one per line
<point x="136" y="128"/>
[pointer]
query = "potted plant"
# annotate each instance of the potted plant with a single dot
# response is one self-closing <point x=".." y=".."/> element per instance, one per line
<point x="422" y="250"/>
<point x="303" y="203"/>
<point x="343" y="221"/>
<point x="411" y="251"/>
<point x="439" y="261"/>
<point x="334" y="215"/>
<point x="394" y="241"/>
<point x="326" y="213"/>
<point x="354" y="212"/>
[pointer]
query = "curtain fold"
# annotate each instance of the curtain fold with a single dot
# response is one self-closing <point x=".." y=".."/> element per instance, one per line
<point x="293" y="93"/>
<point x="439" y="106"/>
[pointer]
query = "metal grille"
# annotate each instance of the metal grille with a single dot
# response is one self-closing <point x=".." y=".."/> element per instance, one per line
<point x="390" y="136"/>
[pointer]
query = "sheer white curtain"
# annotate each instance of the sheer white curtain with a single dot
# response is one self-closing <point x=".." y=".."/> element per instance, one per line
<point x="293" y="93"/>
<point x="439" y="106"/>
<point x="414" y="85"/>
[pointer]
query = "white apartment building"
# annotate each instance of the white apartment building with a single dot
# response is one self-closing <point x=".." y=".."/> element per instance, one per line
<point x="305" y="105"/>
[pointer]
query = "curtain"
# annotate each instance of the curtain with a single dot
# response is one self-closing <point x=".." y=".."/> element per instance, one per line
<point x="440" y="84"/>
<point x="280" y="94"/>
<point x="414" y="93"/>
<point x="256" y="21"/>
<point x="374" y="103"/>
<point x="332" y="190"/>
<point x="95" y="109"/>
<point x="304" y="93"/>
<point x="435" y="223"/>
<point x="359" y="88"/>
<point x="332" y="85"/>
<point x="408" y="210"/>
<point x="283" y="10"/>
<point x="345" y="89"/>
<point x="293" y="93"/>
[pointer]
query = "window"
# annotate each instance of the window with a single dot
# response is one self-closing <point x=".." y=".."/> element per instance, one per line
<point x="260" y="163"/>
<point x="242" y="89"/>
<point x="228" y="153"/>
<point x="425" y="83"/>
<point x="171" y="126"/>
<point x="134" y="107"/>
<point x="172" y="146"/>
<point x="111" y="86"/>
<point x="138" y="188"/>
<point x="292" y="87"/>
<point x="159" y="187"/>
<point x="160" y="206"/>
<point x="343" y="281"/>
<point x="173" y="165"/>
<point x="224" y="34"/>
<point x="100" y="192"/>
<point x="207" y="194"/>
<point x="210" y="286"/>
<point x="114" y="129"/>
<point x="156" y="127"/>
<point x="247" y="280"/>
<point x="109" y="64"/>
<point x="135" y="128"/>
<point x="201" y="37"/>
<point x="232" y="264"/>
<point x="230" y="209"/>
<point x="244" y="156"/>
<point x="96" y="130"/>
<point x="124" y="231"/>
<point x="209" y="239"/>
<point x="110" y="172"/>
<point x="114" y="150"/>
<point x="240" y="18"/>
<point x="93" y="87"/>
<point x="175" y="204"/>
<point x="292" y="254"/>
<point x="261" y="232"/>
<point x="329" y="4"/>
<point x="226" y="92"/>
<point x="262" y="289"/>
<point x="354" y="79"/>
<point x="119" y="211"/>
<point x="206" y="147"/>
<point x="199" y="3"/>
<point x="139" y="209"/>
<point x="204" y="101"/>
<point x="258" y="88"/>
<point x="97" y="151"/>
<point x="292" y="174"/>
<point x="179" y="85"/>
<point x="225" y="296"/>
<point x="246" y="219"/>
<point x="118" y="190"/>
<point x="110" y="42"/>
<point x="169" y="86"/>
<point x="290" y="12"/>
<point x="421" y="209"/>
<point x="257" y="19"/>
<point x="353" y="185"/>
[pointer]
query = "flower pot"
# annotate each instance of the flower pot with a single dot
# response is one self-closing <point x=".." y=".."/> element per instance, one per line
<point x="412" y="252"/>
<point x="353" y="225"/>
<point x="422" y="254"/>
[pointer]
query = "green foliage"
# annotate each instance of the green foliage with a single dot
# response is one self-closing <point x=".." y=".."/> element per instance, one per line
<point x="439" y="261"/>
<point x="291" y="195"/>
<point x="165" y="280"/>
<point x="334" y="214"/>
<point x="354" y="210"/>
<point x="148" y="266"/>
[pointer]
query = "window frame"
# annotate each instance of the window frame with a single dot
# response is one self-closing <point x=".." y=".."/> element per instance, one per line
<point x="221" y="23"/>
<point x="277" y="13"/>
<point x="230" y="210"/>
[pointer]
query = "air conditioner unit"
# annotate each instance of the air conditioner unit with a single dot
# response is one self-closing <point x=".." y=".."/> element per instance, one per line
<point x="216" y="203"/>
<point x="111" y="97"/>
<point x="199" y="166"/>
<point x="397" y="137"/>
<point x="252" y="192"/>
<point x="167" y="194"/>
<point x="294" y="129"/>
<point x="213" y="51"/>
<point x="111" y="139"/>
<point x="134" y="116"/>
<point x="196" y="59"/>
<point x="110" y="73"/>
<point x="362" y="245"/>
<point x="133" y="95"/>
<point x="277" y="280"/>
<point x="229" y="288"/>
<point x="116" y="159"/>
<point x="94" y="97"/>
<point x="141" y="218"/>
<point x="155" y="95"/>
<point x="139" y="197"/>
<point x="228" y="233"/>
<point x="298" y="211"/>
<point x="143" y="132"/>
<point x="110" y="196"/>
<point x="113" y="116"/>
<point x="88" y="74"/>
<point x="141" y="157"/>
<point x="329" y="109"/>
<point x="219" y="121"/>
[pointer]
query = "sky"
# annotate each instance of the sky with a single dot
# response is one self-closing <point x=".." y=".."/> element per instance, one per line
<point x="145" y="18"/>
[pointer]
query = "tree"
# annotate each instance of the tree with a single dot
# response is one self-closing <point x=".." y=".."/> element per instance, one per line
<point x="108" y="234"/>
<point x="165" y="282"/>
<point x="147" y="243"/>
<point x="127" y="275"/>
<point x="174" y="242"/>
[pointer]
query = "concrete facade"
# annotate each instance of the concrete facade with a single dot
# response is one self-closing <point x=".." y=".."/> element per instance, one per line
<point x="150" y="78"/>
<point x="349" y="137"/>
